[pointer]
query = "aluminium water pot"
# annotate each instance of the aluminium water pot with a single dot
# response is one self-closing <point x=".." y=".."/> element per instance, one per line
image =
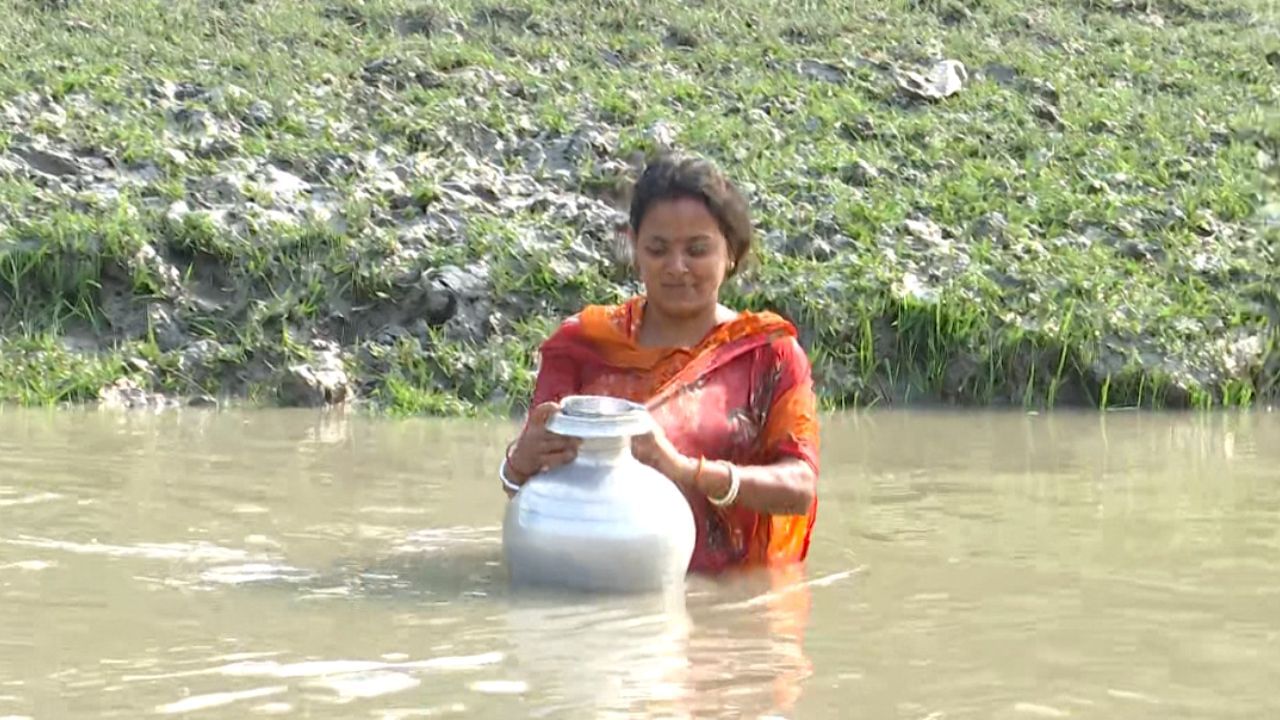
<point x="604" y="522"/>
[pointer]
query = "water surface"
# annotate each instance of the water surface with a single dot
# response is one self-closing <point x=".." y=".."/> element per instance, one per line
<point x="328" y="565"/>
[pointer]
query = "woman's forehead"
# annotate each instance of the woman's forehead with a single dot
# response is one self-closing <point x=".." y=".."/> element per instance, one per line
<point x="683" y="209"/>
<point x="687" y="221"/>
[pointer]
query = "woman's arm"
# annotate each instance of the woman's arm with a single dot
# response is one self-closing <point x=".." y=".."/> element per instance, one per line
<point x="535" y="448"/>
<point x="785" y="487"/>
<point x="786" y="482"/>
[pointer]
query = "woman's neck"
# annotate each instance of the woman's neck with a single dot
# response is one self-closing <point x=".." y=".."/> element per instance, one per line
<point x="658" y="330"/>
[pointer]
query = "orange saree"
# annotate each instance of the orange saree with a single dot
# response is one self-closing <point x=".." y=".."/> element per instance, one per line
<point x="743" y="394"/>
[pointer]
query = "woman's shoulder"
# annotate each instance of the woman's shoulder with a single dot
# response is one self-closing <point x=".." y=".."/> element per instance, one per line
<point x="593" y="324"/>
<point x="789" y="354"/>
<point x="783" y="340"/>
<point x="569" y="329"/>
<point x="781" y="332"/>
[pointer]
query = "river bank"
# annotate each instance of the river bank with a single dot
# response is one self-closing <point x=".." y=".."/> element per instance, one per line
<point x="392" y="202"/>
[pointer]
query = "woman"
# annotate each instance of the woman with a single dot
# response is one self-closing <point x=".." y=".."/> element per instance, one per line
<point x="731" y="392"/>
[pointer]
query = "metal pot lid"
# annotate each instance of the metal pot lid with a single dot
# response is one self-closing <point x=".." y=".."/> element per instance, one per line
<point x="600" y="416"/>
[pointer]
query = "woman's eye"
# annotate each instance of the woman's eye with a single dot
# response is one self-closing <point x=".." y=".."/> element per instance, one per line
<point x="697" y="250"/>
<point x="654" y="249"/>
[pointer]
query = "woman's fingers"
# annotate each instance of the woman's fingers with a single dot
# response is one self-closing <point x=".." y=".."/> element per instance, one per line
<point x="556" y="459"/>
<point x="644" y="448"/>
<point x="546" y="450"/>
<point x="541" y="415"/>
<point x="560" y="447"/>
<point x="540" y="448"/>
<point x="556" y="444"/>
<point x="550" y="442"/>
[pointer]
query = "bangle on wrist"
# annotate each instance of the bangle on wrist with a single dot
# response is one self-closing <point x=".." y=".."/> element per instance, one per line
<point x="697" y="473"/>
<point x="502" y="475"/>
<point x="505" y="464"/>
<point x="734" y="484"/>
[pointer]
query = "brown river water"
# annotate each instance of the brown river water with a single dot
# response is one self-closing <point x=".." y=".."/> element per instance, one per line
<point x="305" y="564"/>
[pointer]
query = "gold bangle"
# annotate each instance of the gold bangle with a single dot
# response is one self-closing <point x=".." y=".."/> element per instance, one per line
<point x="698" y="473"/>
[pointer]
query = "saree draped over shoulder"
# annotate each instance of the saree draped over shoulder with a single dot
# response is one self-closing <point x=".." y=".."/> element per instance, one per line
<point x="743" y="394"/>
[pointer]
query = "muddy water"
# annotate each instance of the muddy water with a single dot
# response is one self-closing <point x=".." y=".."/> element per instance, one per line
<point x="295" y="564"/>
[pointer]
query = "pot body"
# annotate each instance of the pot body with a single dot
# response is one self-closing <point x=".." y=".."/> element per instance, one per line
<point x="603" y="522"/>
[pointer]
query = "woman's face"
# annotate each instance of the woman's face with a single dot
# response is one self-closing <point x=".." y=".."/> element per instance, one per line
<point x="682" y="257"/>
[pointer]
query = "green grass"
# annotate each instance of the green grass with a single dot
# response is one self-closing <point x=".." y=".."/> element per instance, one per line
<point x="1124" y="153"/>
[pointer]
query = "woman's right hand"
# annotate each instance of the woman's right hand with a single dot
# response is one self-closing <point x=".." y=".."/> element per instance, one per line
<point x="538" y="449"/>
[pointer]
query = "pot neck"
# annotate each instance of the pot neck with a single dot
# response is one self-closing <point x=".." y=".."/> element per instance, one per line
<point x="604" y="451"/>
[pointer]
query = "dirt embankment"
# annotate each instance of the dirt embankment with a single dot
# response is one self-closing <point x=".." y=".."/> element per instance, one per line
<point x="389" y="203"/>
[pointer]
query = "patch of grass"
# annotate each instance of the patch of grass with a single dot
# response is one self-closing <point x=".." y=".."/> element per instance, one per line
<point x="1104" y="188"/>
<point x="38" y="370"/>
<point x="59" y="261"/>
<point x="450" y="376"/>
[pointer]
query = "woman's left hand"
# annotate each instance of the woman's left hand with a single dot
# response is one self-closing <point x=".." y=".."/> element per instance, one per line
<point x="656" y="451"/>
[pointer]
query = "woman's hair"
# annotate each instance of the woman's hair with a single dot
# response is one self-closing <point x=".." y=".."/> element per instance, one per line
<point x="670" y="177"/>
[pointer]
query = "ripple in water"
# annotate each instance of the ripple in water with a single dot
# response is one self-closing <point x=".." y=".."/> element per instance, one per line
<point x="441" y="539"/>
<point x="255" y="573"/>
<point x="347" y="680"/>
<point x="29" y="565"/>
<point x="188" y="552"/>
<point x="26" y="499"/>
<point x="364" y="685"/>
<point x="218" y="699"/>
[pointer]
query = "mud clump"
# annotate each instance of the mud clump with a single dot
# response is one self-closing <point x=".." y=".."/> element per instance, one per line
<point x="318" y="383"/>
